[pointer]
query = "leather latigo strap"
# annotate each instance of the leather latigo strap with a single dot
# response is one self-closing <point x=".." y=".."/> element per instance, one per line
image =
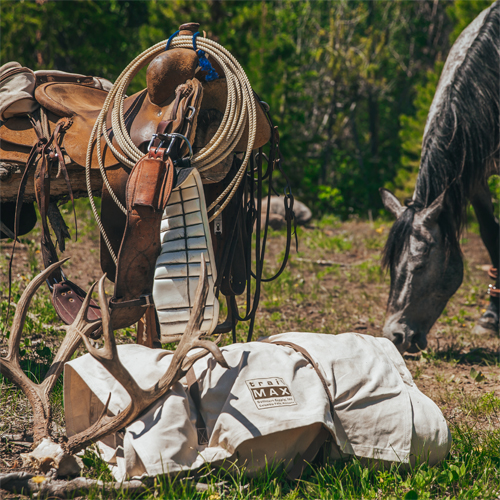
<point x="148" y="189"/>
<point x="313" y="363"/>
<point x="66" y="296"/>
<point x="194" y="391"/>
<point x="324" y="434"/>
<point x="50" y="153"/>
<point x="183" y="116"/>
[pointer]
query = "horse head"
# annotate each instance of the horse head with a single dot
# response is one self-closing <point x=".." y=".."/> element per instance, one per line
<point x="425" y="268"/>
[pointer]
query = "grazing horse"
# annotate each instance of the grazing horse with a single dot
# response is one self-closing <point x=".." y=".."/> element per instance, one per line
<point x="459" y="153"/>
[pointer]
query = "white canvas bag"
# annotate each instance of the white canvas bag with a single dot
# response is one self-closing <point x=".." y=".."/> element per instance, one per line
<point x="271" y="405"/>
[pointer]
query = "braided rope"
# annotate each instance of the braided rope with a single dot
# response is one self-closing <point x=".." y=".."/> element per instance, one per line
<point x="240" y="108"/>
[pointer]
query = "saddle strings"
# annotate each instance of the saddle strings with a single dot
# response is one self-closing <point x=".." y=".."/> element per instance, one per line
<point x="240" y="109"/>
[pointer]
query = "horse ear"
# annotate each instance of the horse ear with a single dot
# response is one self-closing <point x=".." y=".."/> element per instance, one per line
<point x="430" y="214"/>
<point x="391" y="203"/>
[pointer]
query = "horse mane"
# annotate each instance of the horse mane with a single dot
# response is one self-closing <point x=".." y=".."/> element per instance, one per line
<point x="398" y="237"/>
<point x="459" y="141"/>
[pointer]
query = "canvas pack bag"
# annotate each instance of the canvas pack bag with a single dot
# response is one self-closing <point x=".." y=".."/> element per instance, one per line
<point x="270" y="407"/>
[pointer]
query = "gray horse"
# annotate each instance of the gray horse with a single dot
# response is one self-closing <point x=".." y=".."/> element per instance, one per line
<point x="460" y="151"/>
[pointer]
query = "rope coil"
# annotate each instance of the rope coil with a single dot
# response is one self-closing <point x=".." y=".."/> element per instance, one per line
<point x="240" y="109"/>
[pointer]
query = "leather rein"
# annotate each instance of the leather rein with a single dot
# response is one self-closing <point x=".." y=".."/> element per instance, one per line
<point x="248" y="204"/>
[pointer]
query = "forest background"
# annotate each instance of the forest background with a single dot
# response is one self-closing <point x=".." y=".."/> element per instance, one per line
<point x="349" y="83"/>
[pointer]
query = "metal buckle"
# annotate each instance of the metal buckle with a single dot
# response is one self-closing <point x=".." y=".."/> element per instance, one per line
<point x="153" y="137"/>
<point x="193" y="111"/>
<point x="64" y="278"/>
<point x="173" y="136"/>
<point x="148" y="300"/>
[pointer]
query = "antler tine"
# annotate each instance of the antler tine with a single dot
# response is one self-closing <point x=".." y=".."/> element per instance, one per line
<point x="81" y="321"/>
<point x="200" y="300"/>
<point x="209" y="346"/>
<point x="22" y="308"/>
<point x="181" y="363"/>
<point x="107" y="327"/>
<point x="81" y="326"/>
<point x="142" y="398"/>
<point x="108" y="352"/>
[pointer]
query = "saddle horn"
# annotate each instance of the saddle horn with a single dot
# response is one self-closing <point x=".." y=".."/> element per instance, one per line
<point x="172" y="68"/>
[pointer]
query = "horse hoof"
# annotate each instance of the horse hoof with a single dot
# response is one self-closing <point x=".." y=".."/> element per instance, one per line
<point x="480" y="330"/>
<point x="487" y="324"/>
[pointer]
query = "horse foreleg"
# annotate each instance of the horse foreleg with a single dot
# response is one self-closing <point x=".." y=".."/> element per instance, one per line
<point x="490" y="234"/>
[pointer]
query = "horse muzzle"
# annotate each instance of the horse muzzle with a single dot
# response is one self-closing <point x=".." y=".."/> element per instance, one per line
<point x="404" y="337"/>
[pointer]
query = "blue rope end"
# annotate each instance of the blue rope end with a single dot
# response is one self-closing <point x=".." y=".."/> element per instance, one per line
<point x="206" y="66"/>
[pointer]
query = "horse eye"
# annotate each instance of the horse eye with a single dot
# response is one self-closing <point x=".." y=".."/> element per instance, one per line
<point x="419" y="266"/>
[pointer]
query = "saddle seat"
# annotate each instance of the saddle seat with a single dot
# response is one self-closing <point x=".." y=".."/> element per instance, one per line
<point x="69" y="99"/>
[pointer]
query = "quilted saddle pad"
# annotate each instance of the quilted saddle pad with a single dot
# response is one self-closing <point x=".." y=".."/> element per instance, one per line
<point x="185" y="236"/>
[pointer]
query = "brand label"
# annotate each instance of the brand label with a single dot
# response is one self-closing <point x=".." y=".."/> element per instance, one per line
<point x="270" y="392"/>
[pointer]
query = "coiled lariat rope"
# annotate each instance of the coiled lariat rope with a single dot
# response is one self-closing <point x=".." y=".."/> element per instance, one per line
<point x="240" y="109"/>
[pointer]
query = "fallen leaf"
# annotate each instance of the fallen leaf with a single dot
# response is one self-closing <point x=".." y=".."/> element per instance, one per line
<point x="38" y="479"/>
<point x="477" y="376"/>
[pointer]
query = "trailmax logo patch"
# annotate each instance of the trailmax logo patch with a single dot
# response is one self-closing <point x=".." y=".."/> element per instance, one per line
<point x="270" y="392"/>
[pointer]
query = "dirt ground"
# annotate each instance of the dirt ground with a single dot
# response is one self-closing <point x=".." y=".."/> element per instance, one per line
<point x="333" y="285"/>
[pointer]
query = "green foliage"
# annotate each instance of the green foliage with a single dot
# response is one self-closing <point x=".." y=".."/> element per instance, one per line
<point x="340" y="77"/>
<point x="494" y="183"/>
<point x="96" y="38"/>
<point x="463" y="12"/>
<point x="412" y="132"/>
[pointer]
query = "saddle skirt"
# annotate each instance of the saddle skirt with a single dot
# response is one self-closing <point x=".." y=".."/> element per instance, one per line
<point x="185" y="236"/>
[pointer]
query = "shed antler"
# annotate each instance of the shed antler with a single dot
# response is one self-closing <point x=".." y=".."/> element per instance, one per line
<point x="38" y="394"/>
<point x="140" y="398"/>
<point x="48" y="453"/>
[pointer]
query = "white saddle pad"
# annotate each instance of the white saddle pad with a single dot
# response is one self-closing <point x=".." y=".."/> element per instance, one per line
<point x="185" y="236"/>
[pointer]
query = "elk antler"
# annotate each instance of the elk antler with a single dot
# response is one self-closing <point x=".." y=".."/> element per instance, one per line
<point x="38" y="394"/>
<point x="140" y="398"/>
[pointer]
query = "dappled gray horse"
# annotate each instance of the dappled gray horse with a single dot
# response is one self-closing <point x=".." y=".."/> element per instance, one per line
<point x="459" y="154"/>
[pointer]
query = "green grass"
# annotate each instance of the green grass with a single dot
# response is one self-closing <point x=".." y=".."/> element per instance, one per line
<point x="471" y="471"/>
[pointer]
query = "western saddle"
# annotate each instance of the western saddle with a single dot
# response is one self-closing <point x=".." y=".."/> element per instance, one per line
<point x="176" y="99"/>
